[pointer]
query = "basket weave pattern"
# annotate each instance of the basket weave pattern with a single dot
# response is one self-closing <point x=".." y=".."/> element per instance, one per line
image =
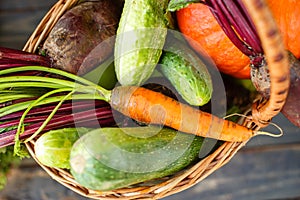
<point x="262" y="111"/>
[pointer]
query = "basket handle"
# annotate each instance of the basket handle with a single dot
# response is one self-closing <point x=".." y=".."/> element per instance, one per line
<point x="277" y="59"/>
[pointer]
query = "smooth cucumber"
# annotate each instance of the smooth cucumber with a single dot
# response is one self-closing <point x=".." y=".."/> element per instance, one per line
<point x="53" y="148"/>
<point x="111" y="158"/>
<point x="104" y="75"/>
<point x="140" y="39"/>
<point x="187" y="73"/>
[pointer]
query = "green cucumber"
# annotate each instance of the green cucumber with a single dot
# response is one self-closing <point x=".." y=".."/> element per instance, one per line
<point x="111" y="158"/>
<point x="103" y="75"/>
<point x="186" y="72"/>
<point x="140" y="39"/>
<point x="175" y="5"/>
<point x="53" y="148"/>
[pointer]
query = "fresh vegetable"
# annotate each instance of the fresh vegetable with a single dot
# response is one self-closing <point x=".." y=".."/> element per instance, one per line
<point x="140" y="39"/>
<point x="53" y="148"/>
<point x="175" y="5"/>
<point x="111" y="158"/>
<point x="286" y="15"/>
<point x="104" y="75"/>
<point x="84" y="36"/>
<point x="291" y="108"/>
<point x="197" y="22"/>
<point x="187" y="73"/>
<point x="152" y="107"/>
<point x="204" y="33"/>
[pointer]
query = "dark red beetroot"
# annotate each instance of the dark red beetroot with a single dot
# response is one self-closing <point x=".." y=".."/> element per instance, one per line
<point x="79" y="31"/>
<point x="291" y="109"/>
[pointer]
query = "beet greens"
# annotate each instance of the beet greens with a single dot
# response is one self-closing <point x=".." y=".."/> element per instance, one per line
<point x="35" y="98"/>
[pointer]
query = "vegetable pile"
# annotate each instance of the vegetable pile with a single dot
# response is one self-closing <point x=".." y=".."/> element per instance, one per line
<point x="87" y="100"/>
<point x="226" y="50"/>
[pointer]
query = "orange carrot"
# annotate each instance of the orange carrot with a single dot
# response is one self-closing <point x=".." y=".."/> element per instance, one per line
<point x="151" y="107"/>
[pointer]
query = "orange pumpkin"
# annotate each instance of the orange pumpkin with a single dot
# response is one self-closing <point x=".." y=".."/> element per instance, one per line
<point x="198" y="24"/>
<point x="287" y="16"/>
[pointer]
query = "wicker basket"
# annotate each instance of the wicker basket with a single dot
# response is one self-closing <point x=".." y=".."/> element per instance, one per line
<point x="261" y="113"/>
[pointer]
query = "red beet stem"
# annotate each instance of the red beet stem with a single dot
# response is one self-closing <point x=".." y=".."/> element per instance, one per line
<point x="237" y="25"/>
<point x="15" y="122"/>
<point x="66" y="108"/>
<point x="17" y="56"/>
<point x="92" y="118"/>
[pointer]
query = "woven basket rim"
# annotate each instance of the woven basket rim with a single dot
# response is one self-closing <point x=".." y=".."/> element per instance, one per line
<point x="262" y="112"/>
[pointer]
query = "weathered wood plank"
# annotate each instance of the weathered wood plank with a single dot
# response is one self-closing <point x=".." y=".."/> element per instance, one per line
<point x="18" y="19"/>
<point x="265" y="173"/>
<point x="25" y="5"/>
<point x="15" y="30"/>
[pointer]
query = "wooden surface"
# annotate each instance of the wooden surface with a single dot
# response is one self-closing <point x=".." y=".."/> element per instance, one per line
<point x="18" y="19"/>
<point x="266" y="168"/>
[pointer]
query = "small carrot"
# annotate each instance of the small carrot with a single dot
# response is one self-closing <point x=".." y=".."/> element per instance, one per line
<point x="148" y="106"/>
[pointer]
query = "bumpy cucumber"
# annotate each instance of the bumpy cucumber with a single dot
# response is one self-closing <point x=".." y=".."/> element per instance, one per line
<point x="140" y="39"/>
<point x="187" y="73"/>
<point x="111" y="158"/>
<point x="53" y="148"/>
